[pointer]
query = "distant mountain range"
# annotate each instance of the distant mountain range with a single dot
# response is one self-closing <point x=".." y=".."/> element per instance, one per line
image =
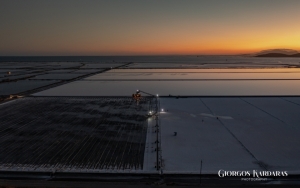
<point x="278" y="53"/>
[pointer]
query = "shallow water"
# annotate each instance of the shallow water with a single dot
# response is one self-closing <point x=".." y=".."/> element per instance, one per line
<point x="185" y="82"/>
<point x="195" y="76"/>
<point x="174" y="88"/>
<point x="212" y="70"/>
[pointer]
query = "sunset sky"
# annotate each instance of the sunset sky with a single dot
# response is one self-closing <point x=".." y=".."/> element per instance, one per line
<point x="147" y="27"/>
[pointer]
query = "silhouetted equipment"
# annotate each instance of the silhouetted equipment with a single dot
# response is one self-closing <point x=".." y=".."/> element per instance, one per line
<point x="137" y="96"/>
<point x="175" y="133"/>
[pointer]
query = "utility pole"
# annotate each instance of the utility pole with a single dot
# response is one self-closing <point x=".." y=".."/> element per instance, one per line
<point x="200" y="171"/>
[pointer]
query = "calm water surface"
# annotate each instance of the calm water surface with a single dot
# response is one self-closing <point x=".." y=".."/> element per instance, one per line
<point x="227" y="82"/>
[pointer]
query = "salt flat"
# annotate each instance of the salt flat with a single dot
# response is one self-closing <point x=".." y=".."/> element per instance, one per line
<point x="73" y="135"/>
<point x="198" y="140"/>
<point x="237" y="135"/>
<point x="230" y="119"/>
<point x="229" y="133"/>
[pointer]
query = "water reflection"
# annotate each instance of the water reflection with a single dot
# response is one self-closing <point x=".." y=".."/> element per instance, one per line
<point x="197" y="76"/>
<point x="211" y="70"/>
<point x="175" y="88"/>
<point x="185" y="82"/>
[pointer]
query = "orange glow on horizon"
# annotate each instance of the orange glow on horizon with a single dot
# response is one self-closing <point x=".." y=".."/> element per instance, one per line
<point x="177" y="45"/>
<point x="149" y="28"/>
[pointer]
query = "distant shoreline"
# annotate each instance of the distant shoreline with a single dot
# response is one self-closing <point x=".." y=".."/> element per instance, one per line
<point x="278" y="55"/>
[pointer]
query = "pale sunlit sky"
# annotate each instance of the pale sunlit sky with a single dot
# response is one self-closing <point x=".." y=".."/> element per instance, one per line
<point x="147" y="27"/>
